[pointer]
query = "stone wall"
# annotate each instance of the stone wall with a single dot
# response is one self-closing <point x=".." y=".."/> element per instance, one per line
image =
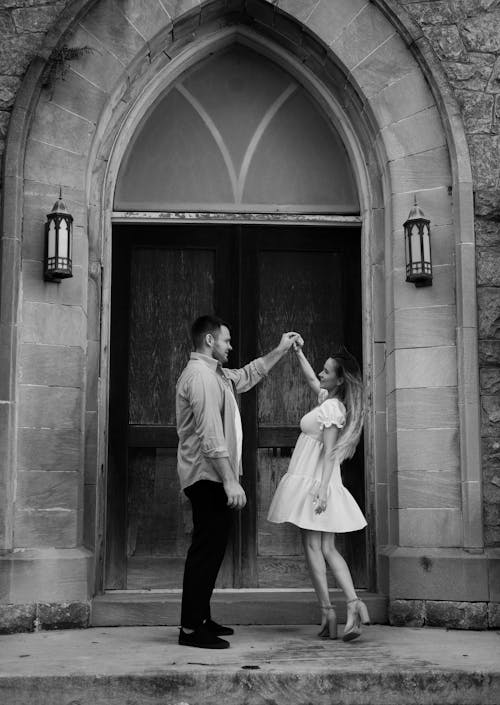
<point x="465" y="34"/>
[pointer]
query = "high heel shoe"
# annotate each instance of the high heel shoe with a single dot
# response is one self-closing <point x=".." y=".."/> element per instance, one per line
<point x="328" y="623"/>
<point x="356" y="616"/>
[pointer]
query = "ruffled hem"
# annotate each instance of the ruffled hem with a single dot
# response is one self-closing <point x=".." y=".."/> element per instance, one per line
<point x="293" y="503"/>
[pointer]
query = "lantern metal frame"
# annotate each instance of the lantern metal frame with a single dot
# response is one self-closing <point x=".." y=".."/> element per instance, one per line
<point x="58" y="263"/>
<point x="417" y="234"/>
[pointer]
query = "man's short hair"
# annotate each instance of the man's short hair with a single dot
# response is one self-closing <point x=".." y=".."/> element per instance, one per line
<point x="204" y="325"/>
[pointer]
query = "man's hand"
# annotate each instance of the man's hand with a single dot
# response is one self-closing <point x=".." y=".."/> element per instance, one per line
<point x="236" y="497"/>
<point x="287" y="340"/>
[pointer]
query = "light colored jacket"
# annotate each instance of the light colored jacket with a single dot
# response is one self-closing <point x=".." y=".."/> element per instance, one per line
<point x="208" y="418"/>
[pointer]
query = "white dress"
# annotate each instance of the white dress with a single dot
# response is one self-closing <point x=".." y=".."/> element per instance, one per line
<point x="293" y="499"/>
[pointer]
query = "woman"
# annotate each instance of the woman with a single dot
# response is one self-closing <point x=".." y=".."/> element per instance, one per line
<point x="311" y="494"/>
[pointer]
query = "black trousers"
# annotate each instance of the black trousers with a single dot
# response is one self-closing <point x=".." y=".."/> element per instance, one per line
<point x="212" y="520"/>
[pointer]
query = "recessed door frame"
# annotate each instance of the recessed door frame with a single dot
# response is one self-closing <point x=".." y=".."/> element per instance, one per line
<point x="246" y="219"/>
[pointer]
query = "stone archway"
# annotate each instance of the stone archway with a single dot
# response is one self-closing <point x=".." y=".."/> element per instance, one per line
<point x="403" y="137"/>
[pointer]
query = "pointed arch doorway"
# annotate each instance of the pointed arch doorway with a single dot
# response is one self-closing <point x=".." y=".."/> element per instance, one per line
<point x="235" y="195"/>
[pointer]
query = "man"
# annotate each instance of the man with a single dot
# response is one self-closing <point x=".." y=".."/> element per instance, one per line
<point x="209" y="465"/>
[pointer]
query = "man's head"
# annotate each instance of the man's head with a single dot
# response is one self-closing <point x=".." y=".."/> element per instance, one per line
<point x="211" y="336"/>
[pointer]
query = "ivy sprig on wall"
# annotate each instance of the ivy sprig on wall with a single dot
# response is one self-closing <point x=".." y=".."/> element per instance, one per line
<point x="59" y="60"/>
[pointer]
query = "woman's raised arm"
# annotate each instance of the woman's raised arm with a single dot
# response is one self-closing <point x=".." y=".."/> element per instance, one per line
<point x="306" y="368"/>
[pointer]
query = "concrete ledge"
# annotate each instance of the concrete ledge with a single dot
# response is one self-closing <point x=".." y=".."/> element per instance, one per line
<point x="129" y="608"/>
<point x="15" y="619"/>
<point x="450" y="574"/>
<point x="45" y="575"/>
<point x="280" y="665"/>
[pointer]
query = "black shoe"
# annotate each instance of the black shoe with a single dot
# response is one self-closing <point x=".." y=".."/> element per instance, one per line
<point x="217" y="629"/>
<point x="202" y="638"/>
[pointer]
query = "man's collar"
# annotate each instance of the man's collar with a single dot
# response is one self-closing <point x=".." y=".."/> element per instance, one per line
<point x="207" y="359"/>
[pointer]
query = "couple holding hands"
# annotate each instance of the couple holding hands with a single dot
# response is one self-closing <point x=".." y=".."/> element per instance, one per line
<point x="310" y="495"/>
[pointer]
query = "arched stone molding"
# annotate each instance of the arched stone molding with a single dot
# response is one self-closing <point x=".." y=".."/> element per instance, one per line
<point x="374" y="63"/>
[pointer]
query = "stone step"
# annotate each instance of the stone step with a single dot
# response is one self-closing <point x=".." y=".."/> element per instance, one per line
<point x="162" y="607"/>
<point x="277" y="665"/>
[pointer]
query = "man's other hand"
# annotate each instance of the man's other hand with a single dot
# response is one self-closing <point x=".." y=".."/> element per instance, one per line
<point x="236" y="497"/>
<point x="287" y="340"/>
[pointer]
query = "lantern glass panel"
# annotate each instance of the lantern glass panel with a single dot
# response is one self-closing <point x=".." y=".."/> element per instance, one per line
<point x="414" y="244"/>
<point x="51" y="246"/>
<point x="63" y="239"/>
<point x="427" y="244"/>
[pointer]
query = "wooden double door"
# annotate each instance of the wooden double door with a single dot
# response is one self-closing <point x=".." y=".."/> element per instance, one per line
<point x="264" y="280"/>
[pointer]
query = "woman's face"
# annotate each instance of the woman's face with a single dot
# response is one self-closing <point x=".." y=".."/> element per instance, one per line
<point x="328" y="378"/>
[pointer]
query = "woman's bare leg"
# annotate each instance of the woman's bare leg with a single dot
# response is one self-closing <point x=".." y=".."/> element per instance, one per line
<point x="338" y="566"/>
<point x="311" y="540"/>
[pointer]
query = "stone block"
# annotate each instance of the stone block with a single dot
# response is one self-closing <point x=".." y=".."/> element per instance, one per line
<point x="446" y="41"/>
<point x="488" y="299"/>
<point x="489" y="352"/>
<point x="368" y="30"/>
<point x="91" y="447"/>
<point x="17" y="618"/>
<point x="408" y="95"/>
<point x="487" y="202"/>
<point x="51" y="365"/>
<point x="424" y="368"/>
<point x="78" y="95"/>
<point x="50" y="324"/>
<point x="380" y="446"/>
<point x="69" y="292"/>
<point x="89" y="516"/>
<point x="480" y="33"/>
<point x="49" y="449"/>
<point x="456" y="615"/>
<point x="108" y="23"/>
<point x="416" y="172"/>
<point x="477" y="110"/>
<point x="56" y="126"/>
<point x="413" y="134"/>
<point x="426" y="527"/>
<point x="407" y="613"/>
<point x="390" y="61"/>
<point x="8" y="349"/>
<point x="420" y="490"/>
<point x="47" y="490"/>
<point x="436" y="574"/>
<point x="493" y="556"/>
<point x="93" y="363"/>
<point x="330" y="20"/>
<point x="473" y="74"/>
<point x="490" y="416"/>
<point x="300" y="9"/>
<point x="437" y="205"/>
<point x="48" y="575"/>
<point x="381" y="513"/>
<point x="494" y="615"/>
<point x="66" y="615"/>
<point x="55" y="166"/>
<point x="49" y="407"/>
<point x="379" y="376"/>
<point x="45" y="528"/>
<point x="490" y="380"/>
<point x="427" y="408"/>
<point x="488" y="267"/>
<point x="148" y="18"/>
<point x="485" y="153"/>
<point x="16" y="52"/>
<point x="177" y="8"/>
<point x="101" y="67"/>
<point x="441" y="293"/>
<point x="430" y="326"/>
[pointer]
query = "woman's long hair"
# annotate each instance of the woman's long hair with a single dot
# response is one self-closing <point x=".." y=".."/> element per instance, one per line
<point x="351" y="395"/>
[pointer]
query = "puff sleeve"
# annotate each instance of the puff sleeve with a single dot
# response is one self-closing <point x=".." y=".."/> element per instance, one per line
<point x="331" y="412"/>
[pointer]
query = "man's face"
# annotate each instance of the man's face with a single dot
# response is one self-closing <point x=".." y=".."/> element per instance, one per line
<point x="222" y="345"/>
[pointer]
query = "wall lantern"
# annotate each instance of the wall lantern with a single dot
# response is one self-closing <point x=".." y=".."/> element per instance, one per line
<point x="58" y="242"/>
<point x="418" y="247"/>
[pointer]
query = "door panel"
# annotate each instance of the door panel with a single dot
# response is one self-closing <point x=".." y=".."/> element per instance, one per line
<point x="264" y="281"/>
